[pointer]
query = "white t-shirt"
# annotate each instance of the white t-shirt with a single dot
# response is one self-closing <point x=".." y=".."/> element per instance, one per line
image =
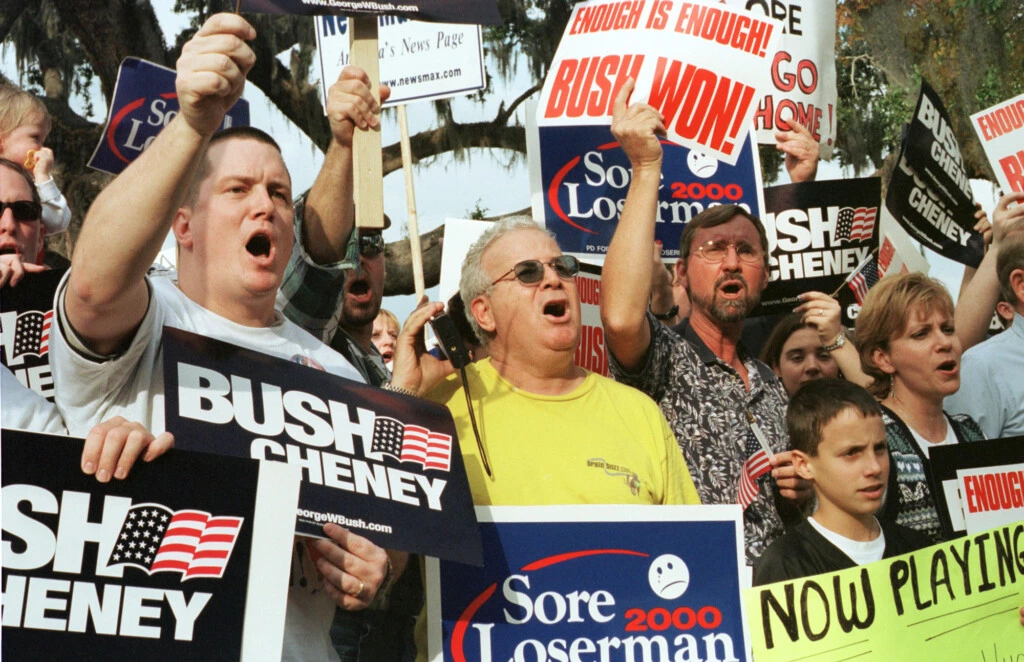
<point x="92" y="388"/>
<point x="926" y="446"/>
<point x="22" y="408"/>
<point x="860" y="553"/>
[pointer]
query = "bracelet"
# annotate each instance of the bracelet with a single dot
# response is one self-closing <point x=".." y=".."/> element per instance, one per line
<point x="388" y="386"/>
<point x="837" y="343"/>
<point x="664" y="317"/>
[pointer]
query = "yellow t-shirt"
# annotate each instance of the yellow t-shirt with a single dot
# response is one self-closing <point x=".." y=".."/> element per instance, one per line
<point x="602" y="443"/>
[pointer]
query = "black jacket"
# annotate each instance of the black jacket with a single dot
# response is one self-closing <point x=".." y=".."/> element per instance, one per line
<point x="802" y="552"/>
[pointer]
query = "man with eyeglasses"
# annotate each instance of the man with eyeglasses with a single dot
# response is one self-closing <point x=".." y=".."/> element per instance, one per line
<point x="727" y="408"/>
<point x="549" y="431"/>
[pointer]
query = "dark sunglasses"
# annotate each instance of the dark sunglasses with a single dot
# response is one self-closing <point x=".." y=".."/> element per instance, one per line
<point x="371" y="245"/>
<point x="532" y="271"/>
<point x="23" y="210"/>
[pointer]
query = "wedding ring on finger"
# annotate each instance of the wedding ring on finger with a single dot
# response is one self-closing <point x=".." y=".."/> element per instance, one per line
<point x="362" y="585"/>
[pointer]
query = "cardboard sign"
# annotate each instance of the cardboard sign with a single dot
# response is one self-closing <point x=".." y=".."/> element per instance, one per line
<point x="959" y="600"/>
<point x="144" y="102"/>
<point x="584" y="176"/>
<point x="703" y="66"/>
<point x="165" y="565"/>
<point x="26" y="316"/>
<point x="484" y="12"/>
<point x="386" y="466"/>
<point x="991" y="494"/>
<point x="594" y="582"/>
<point x="928" y="218"/>
<point x="1001" y="131"/>
<point x="803" y="70"/>
<point x="818" y="234"/>
<point x="418" y="61"/>
<point x="933" y="194"/>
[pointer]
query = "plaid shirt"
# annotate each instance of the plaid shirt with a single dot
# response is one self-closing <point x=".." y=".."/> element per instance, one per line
<point x="704" y="400"/>
<point x="311" y="293"/>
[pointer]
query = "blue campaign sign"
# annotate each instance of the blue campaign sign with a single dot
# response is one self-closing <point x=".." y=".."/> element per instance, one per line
<point x="585" y="175"/>
<point x="594" y="582"/>
<point x="144" y="102"/>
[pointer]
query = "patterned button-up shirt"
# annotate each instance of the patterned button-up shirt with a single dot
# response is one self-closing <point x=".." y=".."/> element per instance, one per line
<point x="311" y="293"/>
<point x="705" y="402"/>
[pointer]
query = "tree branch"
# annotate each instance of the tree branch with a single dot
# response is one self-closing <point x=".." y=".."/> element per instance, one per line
<point x="10" y="14"/>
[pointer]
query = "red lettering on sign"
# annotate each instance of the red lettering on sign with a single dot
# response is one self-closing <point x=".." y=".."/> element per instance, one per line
<point x="1013" y="168"/>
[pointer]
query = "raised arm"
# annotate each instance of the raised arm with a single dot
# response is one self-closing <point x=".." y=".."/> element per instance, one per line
<point x="978" y="296"/>
<point x="126" y="225"/>
<point x="329" y="211"/>
<point x="801" y="150"/>
<point x="626" y="279"/>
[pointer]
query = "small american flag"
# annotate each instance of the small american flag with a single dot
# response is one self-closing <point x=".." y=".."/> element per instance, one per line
<point x="855" y="224"/>
<point x="863" y="279"/>
<point x="758" y="464"/>
<point x="155" y="538"/>
<point x="32" y="333"/>
<point x="411" y="443"/>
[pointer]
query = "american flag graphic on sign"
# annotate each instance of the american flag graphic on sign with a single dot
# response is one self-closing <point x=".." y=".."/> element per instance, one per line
<point x="758" y="464"/>
<point x="155" y="538"/>
<point x="855" y="224"/>
<point x="864" y="279"/>
<point x="411" y="443"/>
<point x="32" y="333"/>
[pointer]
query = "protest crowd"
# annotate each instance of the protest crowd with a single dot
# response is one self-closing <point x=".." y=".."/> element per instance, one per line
<point x="824" y="441"/>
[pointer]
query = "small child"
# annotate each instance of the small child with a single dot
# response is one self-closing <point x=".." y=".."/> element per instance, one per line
<point x="24" y="125"/>
<point x="839" y="444"/>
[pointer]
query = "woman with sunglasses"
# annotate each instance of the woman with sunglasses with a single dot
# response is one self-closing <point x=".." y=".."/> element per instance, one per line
<point x="907" y="342"/>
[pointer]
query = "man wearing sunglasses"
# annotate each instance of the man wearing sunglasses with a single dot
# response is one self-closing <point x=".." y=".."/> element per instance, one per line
<point x="549" y="432"/>
<point x="20" y="224"/>
<point x="727" y="408"/>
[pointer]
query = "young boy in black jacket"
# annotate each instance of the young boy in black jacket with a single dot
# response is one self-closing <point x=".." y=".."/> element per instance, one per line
<point x="838" y="442"/>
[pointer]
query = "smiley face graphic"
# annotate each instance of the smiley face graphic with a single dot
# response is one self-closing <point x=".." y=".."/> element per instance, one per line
<point x="669" y="577"/>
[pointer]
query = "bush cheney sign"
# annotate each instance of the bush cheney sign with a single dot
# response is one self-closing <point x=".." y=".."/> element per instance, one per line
<point x="602" y="583"/>
<point x="161" y="566"/>
<point x="144" y="102"/>
<point x="386" y="466"/>
<point x="818" y="233"/>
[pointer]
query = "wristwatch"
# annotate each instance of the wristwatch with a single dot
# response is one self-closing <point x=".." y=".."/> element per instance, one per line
<point x="837" y="343"/>
<point x="664" y="317"/>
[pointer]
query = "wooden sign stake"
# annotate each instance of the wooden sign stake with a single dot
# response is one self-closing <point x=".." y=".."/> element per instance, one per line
<point x="367" y="169"/>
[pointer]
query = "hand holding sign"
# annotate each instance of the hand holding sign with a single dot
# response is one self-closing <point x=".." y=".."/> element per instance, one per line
<point x="212" y="70"/>
<point x="1006" y="218"/>
<point x="354" y="569"/>
<point x="350" y="104"/>
<point x="637" y="128"/>
<point x="801" y="151"/>
<point x="113" y="446"/>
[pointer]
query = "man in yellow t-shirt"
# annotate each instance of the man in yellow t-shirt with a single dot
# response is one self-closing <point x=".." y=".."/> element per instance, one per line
<point x="550" y="432"/>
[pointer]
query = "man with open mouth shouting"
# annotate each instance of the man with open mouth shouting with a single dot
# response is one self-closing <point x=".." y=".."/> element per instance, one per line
<point x="726" y="408"/>
<point x="228" y="199"/>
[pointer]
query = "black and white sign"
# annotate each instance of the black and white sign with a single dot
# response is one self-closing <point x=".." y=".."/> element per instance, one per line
<point x="973" y="483"/>
<point x="484" y="12"/>
<point x="929" y="193"/>
<point x="165" y="565"/>
<point x="386" y="466"/>
<point x="26" y="314"/>
<point x="818" y="234"/>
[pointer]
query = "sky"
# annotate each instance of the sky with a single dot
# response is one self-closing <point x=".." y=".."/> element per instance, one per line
<point x="444" y="186"/>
